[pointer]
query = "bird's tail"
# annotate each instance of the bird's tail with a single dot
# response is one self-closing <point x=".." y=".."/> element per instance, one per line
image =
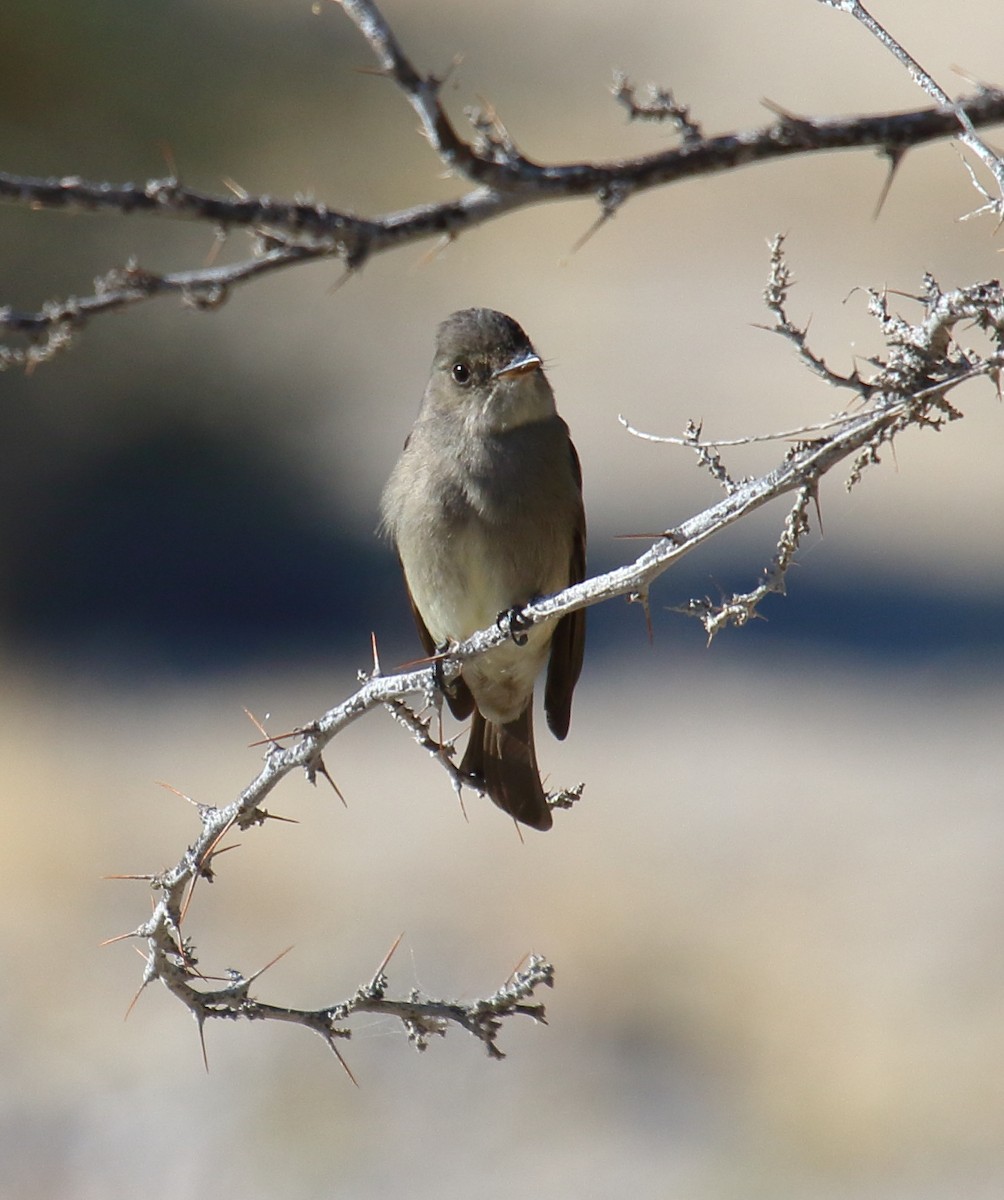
<point x="502" y="759"/>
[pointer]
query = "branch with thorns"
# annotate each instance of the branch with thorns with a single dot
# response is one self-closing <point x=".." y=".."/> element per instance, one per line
<point x="907" y="387"/>
<point x="502" y="179"/>
<point x="966" y="132"/>
<point x="171" y="957"/>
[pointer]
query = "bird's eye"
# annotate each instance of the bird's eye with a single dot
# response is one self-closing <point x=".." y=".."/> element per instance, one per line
<point x="461" y="373"/>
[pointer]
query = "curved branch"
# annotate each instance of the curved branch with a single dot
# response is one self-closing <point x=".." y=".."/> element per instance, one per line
<point x="909" y="387"/>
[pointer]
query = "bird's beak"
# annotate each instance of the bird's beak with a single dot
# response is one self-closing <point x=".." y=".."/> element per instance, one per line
<point x="518" y="366"/>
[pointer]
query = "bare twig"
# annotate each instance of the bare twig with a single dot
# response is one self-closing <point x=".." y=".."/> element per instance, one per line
<point x="661" y="105"/>
<point x="741" y="607"/>
<point x="52" y="329"/>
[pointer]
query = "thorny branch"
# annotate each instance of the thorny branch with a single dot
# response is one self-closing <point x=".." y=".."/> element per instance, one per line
<point x="907" y="387"/>
<point x="503" y="179"/>
<point x="967" y="135"/>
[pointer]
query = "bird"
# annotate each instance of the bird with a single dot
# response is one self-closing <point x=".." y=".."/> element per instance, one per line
<point x="484" y="507"/>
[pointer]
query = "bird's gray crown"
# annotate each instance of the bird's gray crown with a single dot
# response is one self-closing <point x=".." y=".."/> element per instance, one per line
<point x="482" y="334"/>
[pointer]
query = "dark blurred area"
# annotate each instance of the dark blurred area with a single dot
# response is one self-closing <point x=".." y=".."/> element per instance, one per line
<point x="182" y="553"/>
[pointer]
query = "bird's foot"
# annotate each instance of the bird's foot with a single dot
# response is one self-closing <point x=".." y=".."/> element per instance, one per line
<point x="446" y="687"/>
<point x="514" y="623"/>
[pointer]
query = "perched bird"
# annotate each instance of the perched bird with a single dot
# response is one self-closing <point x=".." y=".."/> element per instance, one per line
<point x="485" y="509"/>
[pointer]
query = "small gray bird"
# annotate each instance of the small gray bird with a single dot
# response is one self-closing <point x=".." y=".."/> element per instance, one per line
<point x="485" y="509"/>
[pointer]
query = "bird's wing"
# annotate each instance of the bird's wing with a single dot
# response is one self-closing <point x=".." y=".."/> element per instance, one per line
<point x="458" y="694"/>
<point x="569" y="639"/>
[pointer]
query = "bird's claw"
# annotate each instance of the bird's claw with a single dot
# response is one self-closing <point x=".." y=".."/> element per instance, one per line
<point x="446" y="687"/>
<point x="514" y="623"/>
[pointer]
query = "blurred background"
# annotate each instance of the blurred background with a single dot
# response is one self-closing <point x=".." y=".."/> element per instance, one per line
<point x="776" y="915"/>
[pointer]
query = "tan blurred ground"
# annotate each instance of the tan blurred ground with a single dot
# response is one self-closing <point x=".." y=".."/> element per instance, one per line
<point x="777" y="916"/>
<point x="775" y="919"/>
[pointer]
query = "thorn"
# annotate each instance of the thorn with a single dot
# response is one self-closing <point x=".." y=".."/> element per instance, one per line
<point x="350" y="270"/>
<point x="262" y="730"/>
<point x="238" y="191"/>
<point x="375" y="72"/>
<point x="213" y="253"/>
<point x="274" y="739"/>
<point x="170" y="788"/>
<point x="589" y="234"/>
<point x="132" y="1002"/>
<point x="236" y="845"/>
<point x="460" y="801"/>
<point x="211" y="848"/>
<point x="376" y="657"/>
<point x="786" y="116"/>
<point x="200" y="1020"/>
<point x="337" y="1053"/>
<point x="438" y="247"/>
<point x="261" y="970"/>
<point x="119" y="937"/>
<point x="895" y="155"/>
<point x="149" y="878"/>
<point x="317" y="764"/>
<point x="645" y="536"/>
<point x="167" y="153"/>
<point x="641" y="597"/>
<point x="389" y="955"/>
<point x="455" y="62"/>
<point x="515" y="971"/>
<point x="969" y="77"/>
<point x="429" y="661"/>
<point x="203" y="862"/>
